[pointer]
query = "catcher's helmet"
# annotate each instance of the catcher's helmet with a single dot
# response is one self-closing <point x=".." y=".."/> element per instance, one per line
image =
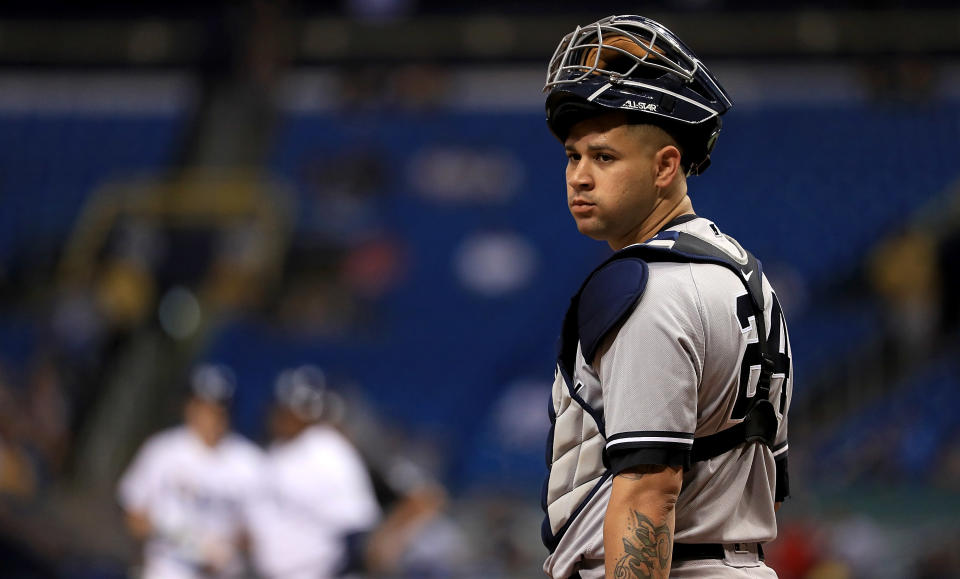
<point x="636" y="65"/>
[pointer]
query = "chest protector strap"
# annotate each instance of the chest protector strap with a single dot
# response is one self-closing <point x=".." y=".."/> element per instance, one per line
<point x="760" y="421"/>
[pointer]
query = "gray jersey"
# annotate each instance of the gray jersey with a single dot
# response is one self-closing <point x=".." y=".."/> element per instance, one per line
<point x="676" y="369"/>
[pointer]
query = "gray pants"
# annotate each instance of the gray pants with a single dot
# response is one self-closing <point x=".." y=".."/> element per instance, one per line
<point x="720" y="568"/>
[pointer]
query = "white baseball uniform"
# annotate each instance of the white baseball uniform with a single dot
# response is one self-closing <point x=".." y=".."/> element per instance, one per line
<point x="194" y="497"/>
<point x="316" y="492"/>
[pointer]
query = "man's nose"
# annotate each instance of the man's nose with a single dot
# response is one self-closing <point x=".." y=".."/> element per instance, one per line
<point x="580" y="178"/>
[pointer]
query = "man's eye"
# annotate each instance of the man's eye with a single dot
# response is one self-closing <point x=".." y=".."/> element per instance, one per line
<point x="604" y="157"/>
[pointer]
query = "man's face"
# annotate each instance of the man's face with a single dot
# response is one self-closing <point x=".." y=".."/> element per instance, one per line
<point x="610" y="179"/>
<point x="208" y="419"/>
<point x="284" y="424"/>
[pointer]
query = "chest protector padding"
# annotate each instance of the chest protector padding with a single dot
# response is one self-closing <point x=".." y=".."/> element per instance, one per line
<point x="575" y="446"/>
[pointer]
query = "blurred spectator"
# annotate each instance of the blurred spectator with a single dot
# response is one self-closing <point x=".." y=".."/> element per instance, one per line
<point x="316" y="305"/>
<point x="33" y="440"/>
<point x="239" y="264"/>
<point x="948" y="467"/>
<point x="126" y="289"/>
<point x="830" y="569"/>
<point x="903" y="271"/>
<point x="48" y="411"/>
<point x="373" y="268"/>
<point x="417" y="538"/>
<point x="862" y="545"/>
<point x="900" y="80"/>
<point x="77" y="327"/>
<point x="185" y="492"/>
<point x="941" y="560"/>
<point x="503" y="533"/>
<point x="411" y="87"/>
<point x="18" y="475"/>
<point x="795" y="551"/>
<point x="317" y="501"/>
<point x="344" y="259"/>
<point x="345" y="194"/>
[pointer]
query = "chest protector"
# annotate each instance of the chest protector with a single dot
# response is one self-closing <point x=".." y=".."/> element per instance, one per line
<point x="576" y="456"/>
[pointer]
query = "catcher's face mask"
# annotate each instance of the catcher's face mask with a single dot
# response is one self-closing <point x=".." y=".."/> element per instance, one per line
<point x="634" y="64"/>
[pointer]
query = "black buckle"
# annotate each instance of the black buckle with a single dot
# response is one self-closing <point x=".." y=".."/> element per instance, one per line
<point x="760" y="424"/>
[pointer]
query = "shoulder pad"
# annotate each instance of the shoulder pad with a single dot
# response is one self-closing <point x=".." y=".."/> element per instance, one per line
<point x="609" y="295"/>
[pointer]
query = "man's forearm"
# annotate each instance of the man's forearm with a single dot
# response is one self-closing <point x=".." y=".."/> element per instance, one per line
<point x="138" y="524"/>
<point x="638" y="528"/>
<point x="637" y="544"/>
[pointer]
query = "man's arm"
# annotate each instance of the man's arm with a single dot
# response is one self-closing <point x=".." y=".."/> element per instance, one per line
<point x="638" y="528"/>
<point x="138" y="524"/>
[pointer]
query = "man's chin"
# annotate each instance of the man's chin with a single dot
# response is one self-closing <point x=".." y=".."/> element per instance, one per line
<point x="590" y="230"/>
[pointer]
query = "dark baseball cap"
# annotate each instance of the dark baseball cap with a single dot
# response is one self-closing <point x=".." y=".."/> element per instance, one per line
<point x="303" y="391"/>
<point x="213" y="383"/>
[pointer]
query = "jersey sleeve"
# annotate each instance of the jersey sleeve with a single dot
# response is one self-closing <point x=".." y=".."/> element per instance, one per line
<point x="138" y="482"/>
<point x="355" y="507"/>
<point x="252" y="482"/>
<point x="650" y="374"/>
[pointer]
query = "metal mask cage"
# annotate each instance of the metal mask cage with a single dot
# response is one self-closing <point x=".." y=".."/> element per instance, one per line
<point x="570" y="63"/>
<point x="573" y="63"/>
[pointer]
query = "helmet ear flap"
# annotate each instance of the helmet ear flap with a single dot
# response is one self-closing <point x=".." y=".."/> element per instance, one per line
<point x="699" y="168"/>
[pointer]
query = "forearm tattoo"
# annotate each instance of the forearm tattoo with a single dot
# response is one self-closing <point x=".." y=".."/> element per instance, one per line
<point x="647" y="549"/>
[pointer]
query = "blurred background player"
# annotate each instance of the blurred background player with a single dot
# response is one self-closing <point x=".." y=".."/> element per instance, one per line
<point x="418" y="536"/>
<point x="184" y="493"/>
<point x="317" y="502"/>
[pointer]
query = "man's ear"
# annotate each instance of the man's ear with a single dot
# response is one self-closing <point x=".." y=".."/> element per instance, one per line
<point x="666" y="161"/>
